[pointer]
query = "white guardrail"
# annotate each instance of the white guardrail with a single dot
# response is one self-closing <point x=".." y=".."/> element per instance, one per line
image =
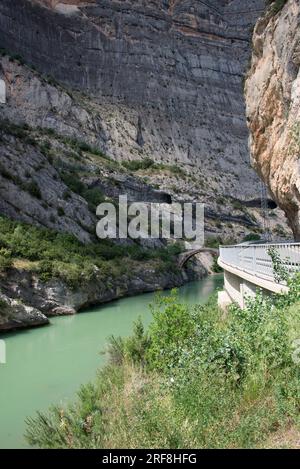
<point x="255" y="260"/>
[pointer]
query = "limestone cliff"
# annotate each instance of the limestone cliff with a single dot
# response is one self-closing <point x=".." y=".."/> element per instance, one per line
<point x="167" y="75"/>
<point x="273" y="106"/>
<point x="54" y="3"/>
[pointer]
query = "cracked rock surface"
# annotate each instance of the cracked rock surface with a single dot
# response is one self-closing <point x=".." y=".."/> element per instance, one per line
<point x="273" y="107"/>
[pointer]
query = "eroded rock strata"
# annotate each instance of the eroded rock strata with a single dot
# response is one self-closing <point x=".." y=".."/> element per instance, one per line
<point x="26" y="301"/>
<point x="15" y="315"/>
<point x="168" y="76"/>
<point x="273" y="107"/>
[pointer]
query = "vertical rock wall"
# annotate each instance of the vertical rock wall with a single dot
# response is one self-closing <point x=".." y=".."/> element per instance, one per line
<point x="273" y="107"/>
<point x="169" y="75"/>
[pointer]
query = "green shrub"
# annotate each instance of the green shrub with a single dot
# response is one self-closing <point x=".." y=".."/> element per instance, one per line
<point x="80" y="146"/>
<point x="45" y="149"/>
<point x="196" y="380"/>
<point x="60" y="211"/>
<point x="66" y="194"/>
<point x="18" y="131"/>
<point x="237" y="205"/>
<point x="171" y="329"/>
<point x="251" y="237"/>
<point x="5" y="263"/>
<point x="33" y="189"/>
<point x="148" y="163"/>
<point x="213" y="242"/>
<point x="276" y="5"/>
<point x="136" y="165"/>
<point x="94" y="197"/>
<point x="62" y="255"/>
<point x="73" y="182"/>
<point x="215" y="266"/>
<point x="133" y="348"/>
<point x="279" y="270"/>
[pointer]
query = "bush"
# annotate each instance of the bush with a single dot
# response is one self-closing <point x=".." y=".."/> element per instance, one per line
<point x="148" y="163"/>
<point x="62" y="255"/>
<point x="215" y="266"/>
<point x="94" y="197"/>
<point x="60" y="211"/>
<point x="73" y="182"/>
<point x="137" y="165"/>
<point x="133" y="348"/>
<point x="33" y="189"/>
<point x="276" y="5"/>
<point x="251" y="237"/>
<point x="196" y="380"/>
<point x="5" y="263"/>
<point x="171" y="329"/>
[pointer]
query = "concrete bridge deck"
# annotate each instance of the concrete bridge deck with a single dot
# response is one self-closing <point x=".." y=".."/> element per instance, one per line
<point x="249" y="267"/>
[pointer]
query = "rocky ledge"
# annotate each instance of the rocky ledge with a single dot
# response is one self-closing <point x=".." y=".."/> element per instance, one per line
<point x="26" y="301"/>
<point x="15" y="315"/>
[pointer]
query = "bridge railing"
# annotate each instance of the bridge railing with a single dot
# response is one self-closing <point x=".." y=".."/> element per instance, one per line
<point x="255" y="260"/>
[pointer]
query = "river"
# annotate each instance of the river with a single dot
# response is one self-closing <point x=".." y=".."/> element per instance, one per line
<point x="47" y="365"/>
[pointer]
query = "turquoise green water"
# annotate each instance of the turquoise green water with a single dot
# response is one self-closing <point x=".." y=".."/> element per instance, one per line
<point x="47" y="365"/>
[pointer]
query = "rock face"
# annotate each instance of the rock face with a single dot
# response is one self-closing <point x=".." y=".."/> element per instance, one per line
<point x="273" y="107"/>
<point x="37" y="126"/>
<point x="16" y="315"/>
<point x="53" y="3"/>
<point x="44" y="132"/>
<point x="25" y="301"/>
<point x="167" y="76"/>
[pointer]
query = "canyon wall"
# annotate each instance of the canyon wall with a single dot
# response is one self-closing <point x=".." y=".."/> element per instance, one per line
<point x="54" y="3"/>
<point x="168" y="76"/>
<point x="273" y="107"/>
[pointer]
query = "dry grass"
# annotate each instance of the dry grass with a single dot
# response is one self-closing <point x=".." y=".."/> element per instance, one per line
<point x="285" y="438"/>
<point x="24" y="264"/>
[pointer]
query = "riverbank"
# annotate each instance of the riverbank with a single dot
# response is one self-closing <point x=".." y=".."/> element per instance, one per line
<point x="44" y="273"/>
<point x="49" y="364"/>
<point x="194" y="380"/>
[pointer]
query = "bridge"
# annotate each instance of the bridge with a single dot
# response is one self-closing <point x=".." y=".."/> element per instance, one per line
<point x="248" y="267"/>
<point x="186" y="256"/>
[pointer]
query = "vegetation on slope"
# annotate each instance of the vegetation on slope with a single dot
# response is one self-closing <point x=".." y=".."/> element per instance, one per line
<point x="149" y="164"/>
<point x="276" y="5"/>
<point x="196" y="379"/>
<point x="51" y="254"/>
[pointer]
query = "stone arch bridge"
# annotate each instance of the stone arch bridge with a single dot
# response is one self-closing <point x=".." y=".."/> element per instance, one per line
<point x="184" y="257"/>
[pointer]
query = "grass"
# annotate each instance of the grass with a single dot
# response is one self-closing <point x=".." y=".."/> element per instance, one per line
<point x="194" y="380"/>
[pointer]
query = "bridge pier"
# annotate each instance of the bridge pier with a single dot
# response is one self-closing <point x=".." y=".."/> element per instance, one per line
<point x="236" y="290"/>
